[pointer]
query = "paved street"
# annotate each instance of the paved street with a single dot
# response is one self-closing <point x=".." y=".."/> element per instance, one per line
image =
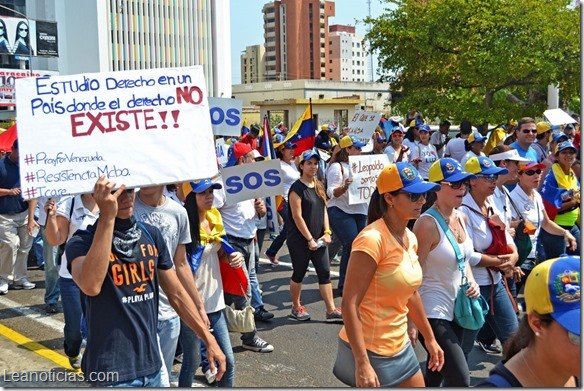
<point x="303" y="357"/>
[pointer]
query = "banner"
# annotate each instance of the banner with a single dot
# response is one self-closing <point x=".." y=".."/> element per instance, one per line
<point x="24" y="37"/>
<point x="364" y="170"/>
<point x="363" y="124"/>
<point x="7" y="81"/>
<point x="138" y="128"/>
<point x="226" y="116"/>
<point x="252" y="180"/>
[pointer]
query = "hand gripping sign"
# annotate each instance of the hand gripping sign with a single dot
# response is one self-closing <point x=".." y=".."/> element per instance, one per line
<point x="138" y="128"/>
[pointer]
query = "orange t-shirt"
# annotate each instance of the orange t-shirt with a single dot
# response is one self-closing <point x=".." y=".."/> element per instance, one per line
<point x="383" y="310"/>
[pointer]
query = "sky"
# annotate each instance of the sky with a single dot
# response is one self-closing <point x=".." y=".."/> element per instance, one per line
<point x="247" y="24"/>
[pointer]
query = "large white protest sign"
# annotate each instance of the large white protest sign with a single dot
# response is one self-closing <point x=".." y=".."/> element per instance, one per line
<point x="363" y="124"/>
<point x="252" y="180"/>
<point x="558" y="117"/>
<point x="137" y="128"/>
<point x="226" y="116"/>
<point x="364" y="170"/>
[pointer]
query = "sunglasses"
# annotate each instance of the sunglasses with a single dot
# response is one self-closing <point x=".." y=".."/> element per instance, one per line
<point x="414" y="197"/>
<point x="21" y="29"/>
<point x="526" y="131"/>
<point x="397" y="135"/>
<point x="532" y="172"/>
<point x="575" y="339"/>
<point x="457" y="185"/>
<point x="490" y="178"/>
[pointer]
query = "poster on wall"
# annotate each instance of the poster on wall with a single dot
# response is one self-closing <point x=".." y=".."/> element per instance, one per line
<point x="8" y="78"/>
<point x="24" y="38"/>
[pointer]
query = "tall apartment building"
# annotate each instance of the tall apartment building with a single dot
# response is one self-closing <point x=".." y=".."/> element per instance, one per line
<point x="296" y="37"/>
<point x="253" y="64"/>
<point x="347" y="56"/>
<point x="112" y="35"/>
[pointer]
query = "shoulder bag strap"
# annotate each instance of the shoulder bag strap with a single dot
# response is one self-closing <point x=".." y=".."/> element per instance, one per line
<point x="459" y="257"/>
<point x="513" y="204"/>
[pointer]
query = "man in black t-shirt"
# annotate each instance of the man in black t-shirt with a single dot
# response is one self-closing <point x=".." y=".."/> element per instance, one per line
<point x="118" y="263"/>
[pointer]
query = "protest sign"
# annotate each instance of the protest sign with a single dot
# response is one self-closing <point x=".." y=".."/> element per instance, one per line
<point x="221" y="150"/>
<point x="138" y="128"/>
<point x="363" y="124"/>
<point x="7" y="79"/>
<point x="226" y="116"/>
<point x="364" y="170"/>
<point x="252" y="180"/>
<point x="558" y="117"/>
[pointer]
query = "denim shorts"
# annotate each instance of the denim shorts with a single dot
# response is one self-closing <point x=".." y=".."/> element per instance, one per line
<point x="391" y="371"/>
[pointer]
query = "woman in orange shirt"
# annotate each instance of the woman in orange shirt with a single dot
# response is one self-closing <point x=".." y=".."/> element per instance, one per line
<point x="380" y="291"/>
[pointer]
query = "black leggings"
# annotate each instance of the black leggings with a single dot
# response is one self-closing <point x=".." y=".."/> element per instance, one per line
<point x="455" y="372"/>
<point x="300" y="255"/>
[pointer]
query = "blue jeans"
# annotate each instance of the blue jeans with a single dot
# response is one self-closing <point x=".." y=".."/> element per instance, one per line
<point x="279" y="241"/>
<point x="37" y="247"/>
<point x="50" y="254"/>
<point x="504" y="323"/>
<point x="168" y="332"/>
<point x="71" y="299"/>
<point x="191" y="346"/>
<point x="153" y="380"/>
<point x="346" y="226"/>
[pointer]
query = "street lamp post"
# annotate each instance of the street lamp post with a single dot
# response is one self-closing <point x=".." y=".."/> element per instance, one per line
<point x="29" y="34"/>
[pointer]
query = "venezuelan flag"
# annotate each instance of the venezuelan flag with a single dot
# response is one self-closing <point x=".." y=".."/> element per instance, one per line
<point x="551" y="195"/>
<point x="302" y="133"/>
<point x="244" y="128"/>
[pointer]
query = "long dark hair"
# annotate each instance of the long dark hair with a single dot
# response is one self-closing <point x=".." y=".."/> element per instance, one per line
<point x="523" y="337"/>
<point x="27" y="38"/>
<point x="194" y="223"/>
<point x="377" y="207"/>
<point x="318" y="186"/>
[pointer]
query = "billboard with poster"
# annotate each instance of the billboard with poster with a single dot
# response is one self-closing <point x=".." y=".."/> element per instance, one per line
<point x="7" y="81"/>
<point x="24" y="38"/>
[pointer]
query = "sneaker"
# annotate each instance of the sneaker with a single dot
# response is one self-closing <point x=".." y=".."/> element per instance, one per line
<point x="210" y="376"/>
<point x="52" y="308"/>
<point x="258" y="345"/>
<point x="262" y="315"/>
<point x="3" y="287"/>
<point x="336" y="260"/>
<point x="491" y="349"/>
<point x="75" y="362"/>
<point x="23" y="284"/>
<point x="300" y="313"/>
<point x="273" y="260"/>
<point x="335" y="316"/>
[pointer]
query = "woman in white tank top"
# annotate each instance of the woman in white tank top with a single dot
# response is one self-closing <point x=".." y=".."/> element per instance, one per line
<point x="441" y="275"/>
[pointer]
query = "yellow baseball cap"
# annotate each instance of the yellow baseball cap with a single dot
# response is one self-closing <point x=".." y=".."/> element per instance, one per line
<point x="403" y="176"/>
<point x="542" y="127"/>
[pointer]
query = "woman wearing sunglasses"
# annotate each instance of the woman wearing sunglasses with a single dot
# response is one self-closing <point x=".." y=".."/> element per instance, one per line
<point x="545" y="351"/>
<point x="380" y="292"/>
<point x="529" y="202"/>
<point x="487" y="262"/>
<point x="395" y="150"/>
<point x="442" y="277"/>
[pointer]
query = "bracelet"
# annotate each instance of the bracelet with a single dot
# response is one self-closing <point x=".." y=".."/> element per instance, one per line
<point x="328" y="232"/>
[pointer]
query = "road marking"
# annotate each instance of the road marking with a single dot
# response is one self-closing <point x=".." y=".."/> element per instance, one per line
<point x="34" y="347"/>
<point x="33" y="314"/>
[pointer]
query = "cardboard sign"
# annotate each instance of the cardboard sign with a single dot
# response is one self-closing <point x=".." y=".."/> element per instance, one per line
<point x="558" y="117"/>
<point x="363" y="124"/>
<point x="226" y="116"/>
<point x="8" y="78"/>
<point x="252" y="180"/>
<point x="221" y="149"/>
<point x="364" y="170"/>
<point x="138" y="128"/>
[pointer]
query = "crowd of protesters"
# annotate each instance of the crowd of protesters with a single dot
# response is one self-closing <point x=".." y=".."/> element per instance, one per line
<point x="443" y="208"/>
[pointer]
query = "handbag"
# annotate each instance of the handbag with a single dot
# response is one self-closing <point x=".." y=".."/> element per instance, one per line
<point x="240" y="321"/>
<point x="469" y="312"/>
<point x="524" y="229"/>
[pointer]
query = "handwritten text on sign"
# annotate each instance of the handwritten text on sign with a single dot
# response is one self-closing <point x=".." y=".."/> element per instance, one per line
<point x="138" y="128"/>
<point x="364" y="170"/>
<point x="252" y="180"/>
<point x="363" y="124"/>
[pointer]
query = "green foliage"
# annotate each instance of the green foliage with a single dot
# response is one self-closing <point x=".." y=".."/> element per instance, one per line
<point x="482" y="60"/>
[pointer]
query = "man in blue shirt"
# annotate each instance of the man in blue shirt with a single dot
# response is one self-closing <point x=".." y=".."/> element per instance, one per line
<point x="16" y="225"/>
<point x="525" y="136"/>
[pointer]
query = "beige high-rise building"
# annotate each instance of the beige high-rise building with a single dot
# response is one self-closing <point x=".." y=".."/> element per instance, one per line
<point x="296" y="39"/>
<point x="347" y="56"/>
<point x="253" y="64"/>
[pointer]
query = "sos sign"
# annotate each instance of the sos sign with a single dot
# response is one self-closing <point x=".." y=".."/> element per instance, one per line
<point x="226" y="116"/>
<point x="252" y="180"/>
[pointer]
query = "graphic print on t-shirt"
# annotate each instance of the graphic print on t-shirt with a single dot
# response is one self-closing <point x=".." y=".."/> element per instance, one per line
<point x="135" y="275"/>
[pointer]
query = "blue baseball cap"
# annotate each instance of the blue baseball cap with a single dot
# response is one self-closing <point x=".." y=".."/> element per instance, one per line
<point x="557" y="136"/>
<point x="476" y="137"/>
<point x="403" y="176"/>
<point x="553" y="287"/>
<point x="381" y="140"/>
<point x="424" y="128"/>
<point x="201" y="186"/>
<point x="483" y="166"/>
<point x="309" y="154"/>
<point x="448" y="170"/>
<point x="563" y="146"/>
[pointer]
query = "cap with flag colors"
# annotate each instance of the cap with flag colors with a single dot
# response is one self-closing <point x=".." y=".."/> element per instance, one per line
<point x="448" y="170"/>
<point x="403" y="176"/>
<point x="483" y="166"/>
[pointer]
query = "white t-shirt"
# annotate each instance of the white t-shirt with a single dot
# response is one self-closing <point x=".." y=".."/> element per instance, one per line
<point x="392" y="155"/>
<point x="469" y="155"/>
<point x="289" y="175"/>
<point x="410" y="144"/>
<point x="239" y="219"/>
<point x="208" y="279"/>
<point x="428" y="155"/>
<point x="501" y="206"/>
<point x="335" y="178"/>
<point x="81" y="217"/>
<point x="455" y="149"/>
<point x="441" y="281"/>
<point x="531" y="210"/>
<point x="478" y="229"/>
<point x="438" y="138"/>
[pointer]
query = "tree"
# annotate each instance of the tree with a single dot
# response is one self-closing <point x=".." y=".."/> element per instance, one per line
<point x="482" y="60"/>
